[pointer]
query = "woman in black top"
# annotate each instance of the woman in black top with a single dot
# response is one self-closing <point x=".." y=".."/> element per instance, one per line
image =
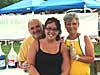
<point x="49" y="56"/>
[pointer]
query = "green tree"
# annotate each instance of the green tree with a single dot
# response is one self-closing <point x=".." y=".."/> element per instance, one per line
<point x="4" y="3"/>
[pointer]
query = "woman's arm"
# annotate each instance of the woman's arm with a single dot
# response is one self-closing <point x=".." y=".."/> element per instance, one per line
<point x="89" y="48"/>
<point x="31" y="58"/>
<point x="66" y="60"/>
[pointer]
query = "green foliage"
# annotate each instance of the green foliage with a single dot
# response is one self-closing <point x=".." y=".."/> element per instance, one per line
<point x="17" y="47"/>
<point x="4" y="3"/>
<point x="97" y="49"/>
<point x="6" y="48"/>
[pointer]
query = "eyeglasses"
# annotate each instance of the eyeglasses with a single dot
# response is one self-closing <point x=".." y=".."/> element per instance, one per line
<point x="53" y="29"/>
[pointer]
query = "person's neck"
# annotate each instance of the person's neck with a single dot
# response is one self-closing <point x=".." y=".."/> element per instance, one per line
<point x="40" y="37"/>
<point x="73" y="36"/>
<point x="50" y="41"/>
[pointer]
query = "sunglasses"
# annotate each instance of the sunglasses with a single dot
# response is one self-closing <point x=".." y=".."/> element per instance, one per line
<point x="49" y="28"/>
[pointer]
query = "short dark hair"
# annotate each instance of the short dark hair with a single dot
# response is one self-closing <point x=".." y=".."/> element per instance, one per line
<point x="58" y="25"/>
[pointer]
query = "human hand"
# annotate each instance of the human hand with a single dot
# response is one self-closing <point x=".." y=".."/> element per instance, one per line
<point x="25" y="66"/>
<point x="73" y="53"/>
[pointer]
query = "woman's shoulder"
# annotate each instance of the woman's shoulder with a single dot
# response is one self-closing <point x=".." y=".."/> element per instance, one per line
<point x="63" y="46"/>
<point x="84" y="35"/>
<point x="35" y="43"/>
<point x="86" y="38"/>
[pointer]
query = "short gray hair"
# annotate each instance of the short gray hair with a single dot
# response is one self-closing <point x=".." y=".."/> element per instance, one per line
<point x="70" y="16"/>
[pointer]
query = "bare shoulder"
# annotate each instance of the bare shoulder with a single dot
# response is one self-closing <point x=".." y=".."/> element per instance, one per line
<point x="88" y="42"/>
<point x="63" y="47"/>
<point x="87" y="39"/>
<point x="34" y="42"/>
<point x="34" y="45"/>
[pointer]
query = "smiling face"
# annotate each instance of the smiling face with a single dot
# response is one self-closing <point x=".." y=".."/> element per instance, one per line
<point x="51" y="31"/>
<point x="35" y="28"/>
<point x="72" y="26"/>
<point x="52" y="28"/>
<point x="71" y="21"/>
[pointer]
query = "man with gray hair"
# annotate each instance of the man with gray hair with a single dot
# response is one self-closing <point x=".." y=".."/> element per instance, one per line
<point x="36" y="29"/>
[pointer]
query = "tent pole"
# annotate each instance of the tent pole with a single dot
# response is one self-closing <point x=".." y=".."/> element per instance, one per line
<point x="85" y="6"/>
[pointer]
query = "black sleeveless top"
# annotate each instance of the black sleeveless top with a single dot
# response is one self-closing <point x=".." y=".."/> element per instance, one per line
<point x="48" y="64"/>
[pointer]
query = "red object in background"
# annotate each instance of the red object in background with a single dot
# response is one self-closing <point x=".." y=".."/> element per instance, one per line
<point x="19" y="64"/>
<point x="10" y="60"/>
